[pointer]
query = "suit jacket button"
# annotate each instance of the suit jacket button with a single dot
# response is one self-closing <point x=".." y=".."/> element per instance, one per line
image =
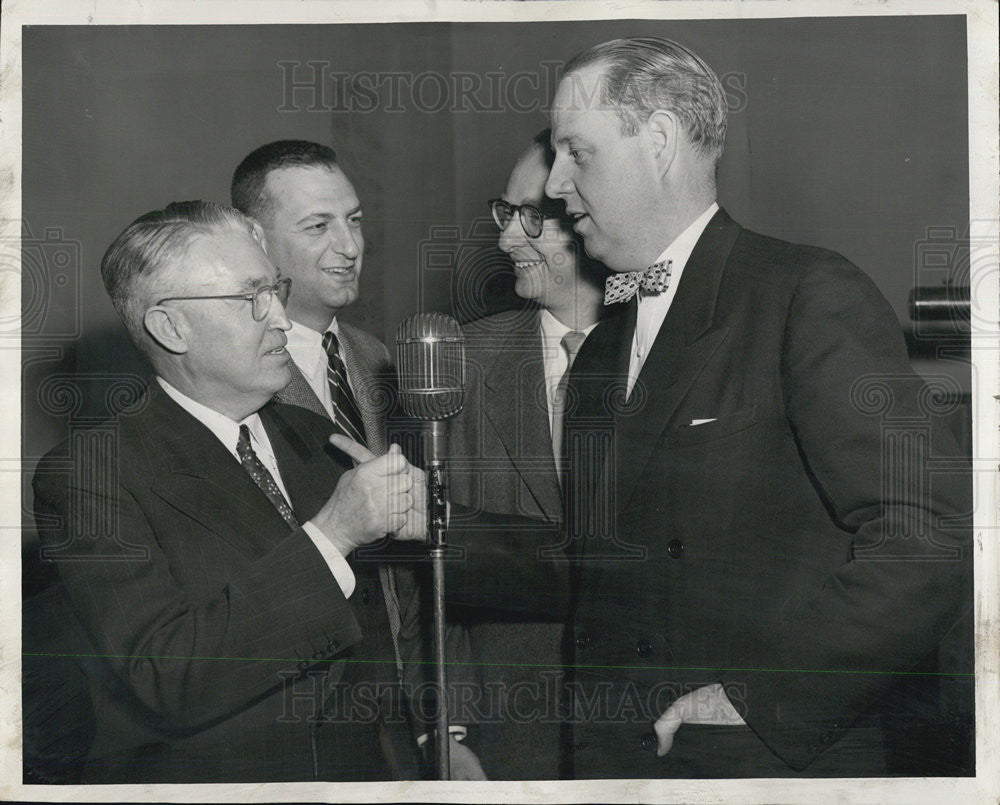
<point x="332" y="646"/>
<point x="648" y="740"/>
<point x="365" y="596"/>
<point x="582" y="640"/>
<point x="643" y="648"/>
<point x="675" y="548"/>
<point x="317" y="655"/>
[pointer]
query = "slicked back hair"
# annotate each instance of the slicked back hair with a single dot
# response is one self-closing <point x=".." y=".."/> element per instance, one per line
<point x="138" y="267"/>
<point x="644" y="74"/>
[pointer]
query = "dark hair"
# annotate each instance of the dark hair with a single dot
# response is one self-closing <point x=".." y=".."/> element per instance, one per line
<point x="644" y="74"/>
<point x="247" y="190"/>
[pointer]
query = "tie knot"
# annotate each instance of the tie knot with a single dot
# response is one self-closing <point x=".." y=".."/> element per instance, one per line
<point x="243" y="447"/>
<point x="571" y="342"/>
<point x="330" y="344"/>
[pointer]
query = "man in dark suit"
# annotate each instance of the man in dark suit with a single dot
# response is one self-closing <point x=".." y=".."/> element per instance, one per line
<point x="503" y="449"/>
<point x="754" y="560"/>
<point x="312" y="223"/>
<point x="202" y="538"/>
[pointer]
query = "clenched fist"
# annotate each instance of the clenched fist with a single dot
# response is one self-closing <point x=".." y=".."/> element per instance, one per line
<point x="374" y="499"/>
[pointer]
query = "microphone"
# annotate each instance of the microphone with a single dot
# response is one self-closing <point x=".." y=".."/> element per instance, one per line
<point x="430" y="357"/>
<point x="430" y="360"/>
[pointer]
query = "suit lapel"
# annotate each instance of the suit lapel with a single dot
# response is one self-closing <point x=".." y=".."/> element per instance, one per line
<point x="303" y="458"/>
<point x="523" y="427"/>
<point x="597" y="383"/>
<point x="203" y="480"/>
<point x="683" y="346"/>
<point x="299" y="392"/>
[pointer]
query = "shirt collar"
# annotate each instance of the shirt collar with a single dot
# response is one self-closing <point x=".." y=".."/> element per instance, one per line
<point x="553" y="330"/>
<point x="301" y="336"/>
<point x="226" y="430"/>
<point x="680" y="249"/>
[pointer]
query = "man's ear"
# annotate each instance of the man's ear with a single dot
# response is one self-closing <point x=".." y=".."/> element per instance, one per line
<point x="166" y="328"/>
<point x="664" y="132"/>
<point x="257" y="232"/>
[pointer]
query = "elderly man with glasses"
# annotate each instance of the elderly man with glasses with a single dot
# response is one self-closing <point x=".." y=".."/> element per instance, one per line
<point x="505" y="450"/>
<point x="202" y="544"/>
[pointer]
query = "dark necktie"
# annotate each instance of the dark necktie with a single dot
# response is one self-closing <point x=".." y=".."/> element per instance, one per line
<point x="571" y="343"/>
<point x="346" y="414"/>
<point x="263" y="478"/>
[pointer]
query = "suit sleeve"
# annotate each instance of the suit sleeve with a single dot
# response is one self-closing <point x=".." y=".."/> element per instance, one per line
<point x="188" y="661"/>
<point x="861" y="419"/>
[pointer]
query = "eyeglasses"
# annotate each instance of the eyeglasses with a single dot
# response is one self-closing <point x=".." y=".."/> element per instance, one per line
<point x="260" y="299"/>
<point x="531" y="216"/>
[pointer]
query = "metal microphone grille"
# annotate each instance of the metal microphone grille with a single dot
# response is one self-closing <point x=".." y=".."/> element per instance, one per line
<point x="430" y="357"/>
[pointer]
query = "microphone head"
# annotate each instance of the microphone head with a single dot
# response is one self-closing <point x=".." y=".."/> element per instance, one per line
<point x="430" y="358"/>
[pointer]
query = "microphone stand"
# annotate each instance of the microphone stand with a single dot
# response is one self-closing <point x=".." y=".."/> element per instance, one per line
<point x="437" y="513"/>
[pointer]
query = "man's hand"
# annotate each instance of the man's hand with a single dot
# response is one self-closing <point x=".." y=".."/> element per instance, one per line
<point x="463" y="763"/>
<point x="369" y="501"/>
<point x="416" y="517"/>
<point x="708" y="705"/>
<point x="415" y="527"/>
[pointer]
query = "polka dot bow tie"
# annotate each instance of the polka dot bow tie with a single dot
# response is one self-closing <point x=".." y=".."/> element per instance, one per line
<point x="622" y="287"/>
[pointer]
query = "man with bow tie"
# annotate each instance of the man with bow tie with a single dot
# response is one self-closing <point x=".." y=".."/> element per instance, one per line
<point x="751" y="566"/>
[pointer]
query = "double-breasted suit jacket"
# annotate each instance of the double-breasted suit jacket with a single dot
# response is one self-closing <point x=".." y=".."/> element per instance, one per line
<point x="771" y="509"/>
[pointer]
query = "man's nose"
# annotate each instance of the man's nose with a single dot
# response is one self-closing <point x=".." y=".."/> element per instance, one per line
<point x="512" y="234"/>
<point x="344" y="241"/>
<point x="558" y="184"/>
<point x="277" y="318"/>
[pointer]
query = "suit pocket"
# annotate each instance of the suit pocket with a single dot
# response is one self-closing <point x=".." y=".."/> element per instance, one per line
<point x="717" y="429"/>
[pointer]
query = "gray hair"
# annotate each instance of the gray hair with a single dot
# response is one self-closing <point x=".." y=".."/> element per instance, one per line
<point x="644" y="74"/>
<point x="138" y="267"/>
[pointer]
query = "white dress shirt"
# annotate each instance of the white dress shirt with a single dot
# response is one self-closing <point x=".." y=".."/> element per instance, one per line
<point x="305" y="345"/>
<point x="653" y="309"/>
<point x="554" y="356"/>
<point x="227" y="431"/>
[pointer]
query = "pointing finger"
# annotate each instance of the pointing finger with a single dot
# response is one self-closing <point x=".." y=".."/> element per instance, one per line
<point x="355" y="450"/>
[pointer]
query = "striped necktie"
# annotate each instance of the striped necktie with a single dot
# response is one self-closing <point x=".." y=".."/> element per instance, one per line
<point x="347" y="418"/>
<point x="346" y="414"/>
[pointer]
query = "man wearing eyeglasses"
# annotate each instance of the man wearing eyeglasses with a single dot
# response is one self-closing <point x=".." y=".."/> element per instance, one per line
<point x="505" y="450"/>
<point x="202" y="537"/>
<point x="311" y="218"/>
<point x="755" y="563"/>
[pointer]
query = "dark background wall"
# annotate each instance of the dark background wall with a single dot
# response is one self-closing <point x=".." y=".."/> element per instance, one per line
<point x="846" y="133"/>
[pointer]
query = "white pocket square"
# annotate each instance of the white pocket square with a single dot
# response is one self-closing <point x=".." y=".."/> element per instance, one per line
<point x="695" y="422"/>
